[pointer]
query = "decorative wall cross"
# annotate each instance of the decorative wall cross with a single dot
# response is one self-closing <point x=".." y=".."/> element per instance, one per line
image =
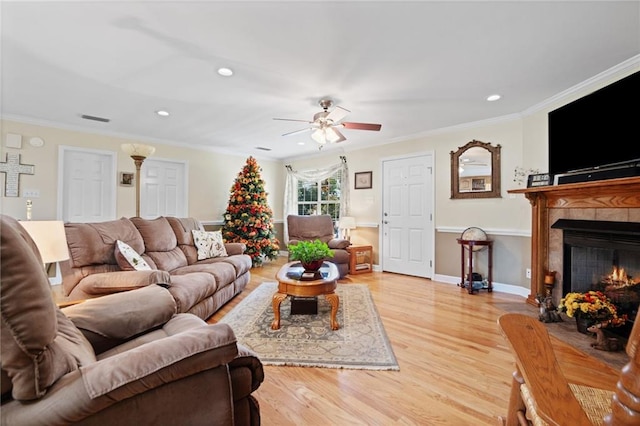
<point x="12" y="169"/>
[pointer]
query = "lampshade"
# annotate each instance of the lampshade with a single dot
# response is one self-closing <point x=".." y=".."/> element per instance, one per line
<point x="325" y="135"/>
<point x="347" y="222"/>
<point x="50" y="238"/>
<point x="137" y="149"/>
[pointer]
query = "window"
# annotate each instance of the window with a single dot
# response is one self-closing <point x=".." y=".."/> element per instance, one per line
<point x="320" y="197"/>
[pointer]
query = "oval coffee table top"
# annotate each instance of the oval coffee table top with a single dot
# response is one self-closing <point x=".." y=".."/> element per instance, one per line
<point x="290" y="280"/>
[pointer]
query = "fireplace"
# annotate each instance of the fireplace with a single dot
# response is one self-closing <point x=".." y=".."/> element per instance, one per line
<point x="604" y="256"/>
<point x="595" y="253"/>
<point x="611" y="200"/>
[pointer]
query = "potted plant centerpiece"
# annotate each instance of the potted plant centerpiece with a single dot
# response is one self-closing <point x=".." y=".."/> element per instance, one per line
<point x="310" y="253"/>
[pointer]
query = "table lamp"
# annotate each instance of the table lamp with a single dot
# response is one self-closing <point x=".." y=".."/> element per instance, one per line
<point x="50" y="238"/>
<point x="347" y="223"/>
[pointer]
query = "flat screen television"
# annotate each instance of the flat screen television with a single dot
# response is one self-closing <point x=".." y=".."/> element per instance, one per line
<point x="597" y="131"/>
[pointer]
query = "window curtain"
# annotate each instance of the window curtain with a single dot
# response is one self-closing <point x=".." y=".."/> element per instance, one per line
<point x="291" y="188"/>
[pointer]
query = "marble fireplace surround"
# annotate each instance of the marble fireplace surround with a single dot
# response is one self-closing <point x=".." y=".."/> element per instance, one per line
<point x="607" y="200"/>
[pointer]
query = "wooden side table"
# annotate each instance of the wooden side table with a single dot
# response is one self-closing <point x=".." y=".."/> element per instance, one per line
<point x="360" y="259"/>
<point x="469" y="246"/>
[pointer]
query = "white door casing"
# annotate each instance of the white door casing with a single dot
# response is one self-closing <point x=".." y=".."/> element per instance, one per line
<point x="163" y="188"/>
<point x="86" y="184"/>
<point x="407" y="237"/>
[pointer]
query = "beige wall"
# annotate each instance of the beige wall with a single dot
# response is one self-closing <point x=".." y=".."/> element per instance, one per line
<point x="507" y="219"/>
<point x="211" y="174"/>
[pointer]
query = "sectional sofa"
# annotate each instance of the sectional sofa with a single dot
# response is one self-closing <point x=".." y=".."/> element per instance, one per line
<point x="167" y="247"/>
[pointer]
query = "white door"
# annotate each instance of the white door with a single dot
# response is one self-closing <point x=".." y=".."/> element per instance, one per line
<point x="407" y="215"/>
<point x="87" y="185"/>
<point x="163" y="188"/>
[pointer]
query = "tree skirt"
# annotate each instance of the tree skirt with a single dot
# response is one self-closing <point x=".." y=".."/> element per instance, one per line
<point x="307" y="340"/>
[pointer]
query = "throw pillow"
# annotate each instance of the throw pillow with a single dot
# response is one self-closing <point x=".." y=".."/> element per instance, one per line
<point x="209" y="244"/>
<point x="128" y="259"/>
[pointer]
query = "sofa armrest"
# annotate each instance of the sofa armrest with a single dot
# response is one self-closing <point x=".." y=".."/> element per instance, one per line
<point x="338" y="243"/>
<point x="246" y="358"/>
<point x="114" y="282"/>
<point x="124" y="315"/>
<point x="161" y="361"/>
<point x="235" y="248"/>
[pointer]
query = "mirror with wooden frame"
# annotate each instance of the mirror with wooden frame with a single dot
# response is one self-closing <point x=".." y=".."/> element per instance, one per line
<point x="475" y="171"/>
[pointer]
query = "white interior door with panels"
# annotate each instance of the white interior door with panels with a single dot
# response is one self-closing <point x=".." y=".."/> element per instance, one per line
<point x="407" y="215"/>
<point x="163" y="188"/>
<point x="86" y="185"/>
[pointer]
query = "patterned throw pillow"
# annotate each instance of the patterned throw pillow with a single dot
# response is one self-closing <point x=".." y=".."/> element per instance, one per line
<point x="209" y="244"/>
<point x="128" y="259"/>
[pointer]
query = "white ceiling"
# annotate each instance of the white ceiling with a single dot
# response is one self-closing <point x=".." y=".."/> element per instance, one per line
<point x="413" y="66"/>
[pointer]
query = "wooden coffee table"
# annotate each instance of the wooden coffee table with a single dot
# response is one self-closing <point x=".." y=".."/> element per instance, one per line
<point x="290" y="284"/>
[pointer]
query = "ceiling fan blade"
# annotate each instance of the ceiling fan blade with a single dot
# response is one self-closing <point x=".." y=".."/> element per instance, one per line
<point x="293" y="119"/>
<point x="342" y="138"/>
<point x="297" y="131"/>
<point x="362" y="126"/>
<point x="337" y="114"/>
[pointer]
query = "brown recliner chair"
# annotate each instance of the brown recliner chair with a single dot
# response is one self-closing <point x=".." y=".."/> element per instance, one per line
<point x="125" y="358"/>
<point x="320" y="227"/>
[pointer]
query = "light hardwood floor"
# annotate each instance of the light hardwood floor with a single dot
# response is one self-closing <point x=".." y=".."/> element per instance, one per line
<point x="455" y="367"/>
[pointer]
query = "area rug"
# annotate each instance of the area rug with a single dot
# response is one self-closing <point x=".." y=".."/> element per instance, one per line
<point x="307" y="340"/>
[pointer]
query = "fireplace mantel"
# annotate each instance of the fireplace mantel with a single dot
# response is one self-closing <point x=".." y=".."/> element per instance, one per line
<point x="621" y="193"/>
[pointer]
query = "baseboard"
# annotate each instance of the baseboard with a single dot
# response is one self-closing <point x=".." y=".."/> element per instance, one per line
<point x="503" y="288"/>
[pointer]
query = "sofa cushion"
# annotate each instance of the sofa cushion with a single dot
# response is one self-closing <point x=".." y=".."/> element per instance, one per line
<point x="92" y="243"/>
<point x="190" y="289"/>
<point x="209" y="244"/>
<point x="124" y="315"/>
<point x="128" y="259"/>
<point x="161" y="245"/>
<point x="182" y="227"/>
<point x="39" y="344"/>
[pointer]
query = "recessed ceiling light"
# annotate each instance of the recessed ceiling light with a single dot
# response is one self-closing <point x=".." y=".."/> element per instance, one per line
<point x="300" y="143"/>
<point x="492" y="98"/>
<point x="225" y="72"/>
<point x="162" y="113"/>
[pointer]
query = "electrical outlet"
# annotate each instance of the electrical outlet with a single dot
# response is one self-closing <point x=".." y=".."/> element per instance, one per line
<point x="528" y="273"/>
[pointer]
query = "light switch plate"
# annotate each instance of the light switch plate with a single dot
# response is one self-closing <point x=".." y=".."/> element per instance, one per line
<point x="13" y="140"/>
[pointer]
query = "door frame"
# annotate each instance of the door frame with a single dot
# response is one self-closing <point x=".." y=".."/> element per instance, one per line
<point x="430" y="153"/>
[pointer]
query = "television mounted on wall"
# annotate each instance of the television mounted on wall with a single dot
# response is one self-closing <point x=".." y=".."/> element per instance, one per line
<point x="598" y="131"/>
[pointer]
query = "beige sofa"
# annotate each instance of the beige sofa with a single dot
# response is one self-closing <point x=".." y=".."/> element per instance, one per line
<point x="125" y="358"/>
<point x="199" y="287"/>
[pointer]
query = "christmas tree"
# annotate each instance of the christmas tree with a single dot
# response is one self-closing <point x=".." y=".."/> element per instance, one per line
<point x="248" y="218"/>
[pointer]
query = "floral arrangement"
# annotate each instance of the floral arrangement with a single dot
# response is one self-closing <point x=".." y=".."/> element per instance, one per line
<point x="593" y="305"/>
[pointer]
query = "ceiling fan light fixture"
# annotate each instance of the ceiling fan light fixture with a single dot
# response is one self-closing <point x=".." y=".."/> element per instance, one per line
<point x="319" y="136"/>
<point x="325" y="135"/>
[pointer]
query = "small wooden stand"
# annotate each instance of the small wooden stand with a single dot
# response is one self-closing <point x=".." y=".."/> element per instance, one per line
<point x="470" y="244"/>
<point x="360" y="259"/>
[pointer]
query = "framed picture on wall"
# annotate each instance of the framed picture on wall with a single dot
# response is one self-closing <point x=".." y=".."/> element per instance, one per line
<point x="363" y="180"/>
<point x="126" y="179"/>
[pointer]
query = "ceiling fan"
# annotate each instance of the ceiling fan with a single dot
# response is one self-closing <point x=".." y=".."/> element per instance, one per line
<point x="325" y="124"/>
